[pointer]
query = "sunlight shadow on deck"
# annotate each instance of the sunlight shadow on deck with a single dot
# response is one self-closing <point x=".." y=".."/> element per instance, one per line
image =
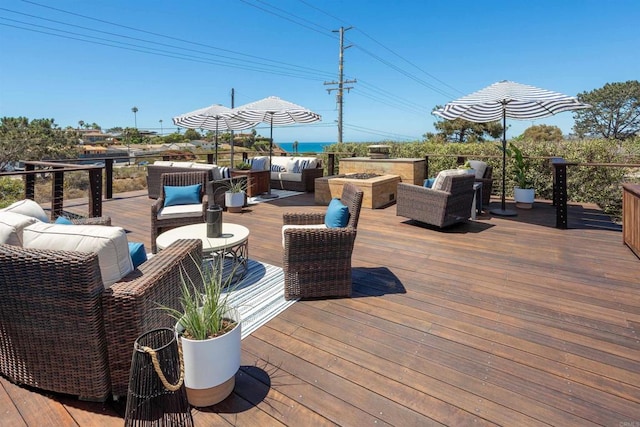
<point x="375" y="281"/>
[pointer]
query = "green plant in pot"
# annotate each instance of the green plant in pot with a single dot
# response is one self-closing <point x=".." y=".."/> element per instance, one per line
<point x="209" y="331"/>
<point x="523" y="192"/>
<point x="243" y="166"/>
<point x="467" y="167"/>
<point x="235" y="194"/>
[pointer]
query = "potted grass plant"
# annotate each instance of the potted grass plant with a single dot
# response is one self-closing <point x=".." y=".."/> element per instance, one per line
<point x="208" y="328"/>
<point x="235" y="195"/>
<point x="523" y="191"/>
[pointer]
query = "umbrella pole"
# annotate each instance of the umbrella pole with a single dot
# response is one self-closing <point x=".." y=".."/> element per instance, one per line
<point x="216" y="142"/>
<point x="268" y="194"/>
<point x="503" y="211"/>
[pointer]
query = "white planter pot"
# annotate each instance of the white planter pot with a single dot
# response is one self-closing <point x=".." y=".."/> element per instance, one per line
<point x="234" y="201"/>
<point x="210" y="365"/>
<point x="524" y="197"/>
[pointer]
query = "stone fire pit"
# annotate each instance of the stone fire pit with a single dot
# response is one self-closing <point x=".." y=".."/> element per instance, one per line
<point x="379" y="190"/>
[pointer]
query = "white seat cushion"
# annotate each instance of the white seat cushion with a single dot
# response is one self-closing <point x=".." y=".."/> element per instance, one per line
<point x="110" y="243"/>
<point x="11" y="227"/>
<point x="292" y="226"/>
<point x="163" y="163"/>
<point x="29" y="208"/>
<point x="182" y="164"/>
<point x="286" y="176"/>
<point x="438" y="184"/>
<point x="205" y="166"/>
<point x="180" y="211"/>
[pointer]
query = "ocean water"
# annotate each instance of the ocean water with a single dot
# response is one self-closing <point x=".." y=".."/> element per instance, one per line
<point x="304" y="147"/>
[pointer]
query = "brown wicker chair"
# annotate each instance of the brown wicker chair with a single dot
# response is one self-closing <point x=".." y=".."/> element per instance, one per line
<point x="441" y="208"/>
<point x="487" y="185"/>
<point x="159" y="224"/>
<point x="317" y="261"/>
<point x="61" y="331"/>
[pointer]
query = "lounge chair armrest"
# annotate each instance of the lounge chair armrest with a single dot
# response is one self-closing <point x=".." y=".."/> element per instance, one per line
<point x="303" y="218"/>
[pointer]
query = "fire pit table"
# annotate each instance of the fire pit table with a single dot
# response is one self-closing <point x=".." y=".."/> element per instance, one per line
<point x="379" y="190"/>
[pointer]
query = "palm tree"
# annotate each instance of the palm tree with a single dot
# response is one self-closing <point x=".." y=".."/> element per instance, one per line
<point x="135" y="117"/>
<point x="160" y="127"/>
<point x="80" y="124"/>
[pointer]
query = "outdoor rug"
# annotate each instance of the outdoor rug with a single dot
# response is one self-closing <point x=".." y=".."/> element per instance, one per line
<point x="259" y="296"/>
<point x="281" y="195"/>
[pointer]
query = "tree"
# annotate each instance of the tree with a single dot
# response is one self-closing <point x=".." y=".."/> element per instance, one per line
<point x="614" y="112"/>
<point x="40" y="139"/>
<point x="192" y="134"/>
<point x="543" y="133"/>
<point x="460" y="130"/>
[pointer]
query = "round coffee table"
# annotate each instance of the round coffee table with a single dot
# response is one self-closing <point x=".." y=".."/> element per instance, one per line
<point x="233" y="244"/>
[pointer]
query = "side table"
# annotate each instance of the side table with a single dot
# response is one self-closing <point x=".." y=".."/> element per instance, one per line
<point x="257" y="180"/>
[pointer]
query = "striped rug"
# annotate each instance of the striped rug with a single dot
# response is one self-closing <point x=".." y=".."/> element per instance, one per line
<point x="259" y="296"/>
<point x="281" y="195"/>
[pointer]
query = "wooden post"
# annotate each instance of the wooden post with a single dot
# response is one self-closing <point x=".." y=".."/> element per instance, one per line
<point x="30" y="182"/>
<point x="108" y="167"/>
<point x="57" y="192"/>
<point x="426" y="167"/>
<point x="210" y="158"/>
<point x="95" y="192"/>
<point x="331" y="163"/>
<point x="560" y="193"/>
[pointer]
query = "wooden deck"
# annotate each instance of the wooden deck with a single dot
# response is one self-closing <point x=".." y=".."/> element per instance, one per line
<point x="501" y="321"/>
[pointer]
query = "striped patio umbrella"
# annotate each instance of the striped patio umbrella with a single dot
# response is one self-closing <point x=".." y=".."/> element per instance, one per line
<point x="508" y="99"/>
<point x="215" y="118"/>
<point x="274" y="110"/>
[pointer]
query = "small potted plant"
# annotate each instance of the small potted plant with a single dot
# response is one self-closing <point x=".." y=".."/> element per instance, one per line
<point x="523" y="192"/>
<point x="209" y="331"/>
<point x="243" y="166"/>
<point x="235" y="195"/>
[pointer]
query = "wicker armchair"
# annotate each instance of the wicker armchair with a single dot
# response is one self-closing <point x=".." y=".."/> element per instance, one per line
<point x="441" y="208"/>
<point x="160" y="223"/>
<point x="317" y="261"/>
<point x="487" y="185"/>
<point x="61" y="331"/>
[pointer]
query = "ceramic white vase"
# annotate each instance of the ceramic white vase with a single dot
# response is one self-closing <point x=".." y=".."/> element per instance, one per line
<point x="524" y="197"/>
<point x="234" y="201"/>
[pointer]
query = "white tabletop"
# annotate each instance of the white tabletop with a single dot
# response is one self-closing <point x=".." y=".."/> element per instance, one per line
<point x="232" y="235"/>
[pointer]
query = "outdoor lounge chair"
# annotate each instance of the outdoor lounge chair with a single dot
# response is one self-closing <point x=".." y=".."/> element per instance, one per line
<point x="317" y="261"/>
<point x="62" y="331"/>
<point x="443" y="206"/>
<point x="166" y="217"/>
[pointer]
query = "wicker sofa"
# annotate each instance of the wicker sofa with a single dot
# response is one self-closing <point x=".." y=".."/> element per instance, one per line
<point x="447" y="204"/>
<point x="294" y="173"/>
<point x="63" y="330"/>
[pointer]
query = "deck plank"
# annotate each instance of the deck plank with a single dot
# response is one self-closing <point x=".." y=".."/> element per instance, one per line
<point x="500" y="321"/>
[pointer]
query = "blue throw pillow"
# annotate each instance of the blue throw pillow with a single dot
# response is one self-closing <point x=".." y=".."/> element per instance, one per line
<point x="429" y="182"/>
<point x="63" y="220"/>
<point x="182" y="195"/>
<point x="138" y="253"/>
<point x="337" y="214"/>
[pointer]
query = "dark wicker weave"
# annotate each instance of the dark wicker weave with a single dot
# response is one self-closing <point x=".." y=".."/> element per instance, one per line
<point x="60" y="330"/>
<point x="437" y="207"/>
<point x="177" y="179"/>
<point x="487" y="185"/>
<point x="306" y="184"/>
<point x="317" y="262"/>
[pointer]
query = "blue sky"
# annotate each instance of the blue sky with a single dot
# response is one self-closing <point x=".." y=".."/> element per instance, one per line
<point x="94" y="60"/>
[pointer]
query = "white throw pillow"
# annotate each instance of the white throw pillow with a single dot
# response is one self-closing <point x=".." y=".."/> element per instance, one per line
<point x="110" y="243"/>
<point x="292" y="165"/>
<point x="29" y="208"/>
<point x="438" y="184"/>
<point x="11" y="226"/>
<point x="480" y="167"/>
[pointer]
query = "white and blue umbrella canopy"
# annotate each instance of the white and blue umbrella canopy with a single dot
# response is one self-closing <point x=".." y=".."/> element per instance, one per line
<point x="215" y="118"/>
<point x="512" y="100"/>
<point x="508" y="99"/>
<point x="275" y="111"/>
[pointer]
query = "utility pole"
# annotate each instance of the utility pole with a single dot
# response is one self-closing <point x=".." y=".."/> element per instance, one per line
<point x="341" y="82"/>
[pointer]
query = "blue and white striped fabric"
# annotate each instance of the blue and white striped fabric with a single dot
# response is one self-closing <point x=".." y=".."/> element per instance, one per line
<point x="259" y="296"/>
<point x="300" y="165"/>
<point x="507" y="99"/>
<point x="225" y="172"/>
